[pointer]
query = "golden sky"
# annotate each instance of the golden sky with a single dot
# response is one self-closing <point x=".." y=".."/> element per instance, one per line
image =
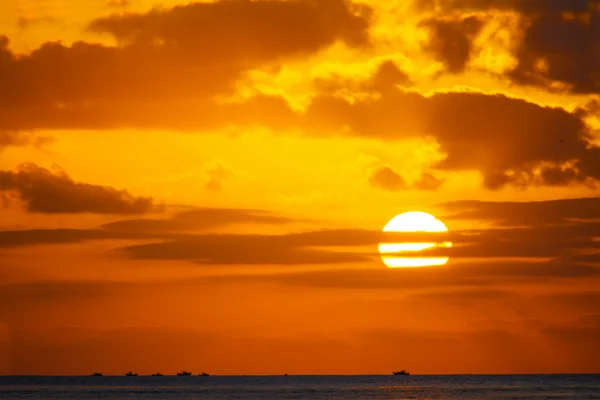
<point x="203" y="185"/>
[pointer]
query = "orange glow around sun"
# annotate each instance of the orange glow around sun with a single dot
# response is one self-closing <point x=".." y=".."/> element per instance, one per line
<point x="392" y="253"/>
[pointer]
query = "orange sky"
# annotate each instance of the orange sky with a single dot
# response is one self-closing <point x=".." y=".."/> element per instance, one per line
<point x="202" y="186"/>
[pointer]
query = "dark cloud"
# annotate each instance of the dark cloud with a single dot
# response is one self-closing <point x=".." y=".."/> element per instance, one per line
<point x="386" y="77"/>
<point x="451" y="41"/>
<point x="428" y="181"/>
<point x="14" y="138"/>
<point x="241" y="250"/>
<point x="26" y="23"/>
<point x="511" y="141"/>
<point x="462" y="296"/>
<point x="388" y="74"/>
<point x="178" y="226"/>
<point x="387" y="179"/>
<point x="118" y="3"/>
<point x="48" y="236"/>
<point x="586" y="326"/>
<point x="197" y="220"/>
<point x="535" y="213"/>
<point x="580" y="337"/>
<point x="569" y="241"/>
<point x="43" y="292"/>
<point x="62" y="236"/>
<point x="580" y="299"/>
<point x="566" y="243"/>
<point x="454" y="275"/>
<point x="42" y="191"/>
<point x="560" y="41"/>
<point x="573" y="248"/>
<point x="11" y="139"/>
<point x="167" y="55"/>
<point x="527" y="7"/>
<point x="559" y="49"/>
<point x="243" y="30"/>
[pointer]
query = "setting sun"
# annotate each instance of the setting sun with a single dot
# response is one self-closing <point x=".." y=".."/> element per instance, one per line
<point x="412" y="222"/>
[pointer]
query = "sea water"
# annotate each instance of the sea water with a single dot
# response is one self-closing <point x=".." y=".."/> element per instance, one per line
<point x="373" y="387"/>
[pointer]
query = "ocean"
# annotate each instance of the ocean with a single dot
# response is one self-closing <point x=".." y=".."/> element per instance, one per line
<point x="372" y="387"/>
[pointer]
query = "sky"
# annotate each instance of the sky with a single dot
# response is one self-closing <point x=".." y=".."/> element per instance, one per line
<point x="203" y="186"/>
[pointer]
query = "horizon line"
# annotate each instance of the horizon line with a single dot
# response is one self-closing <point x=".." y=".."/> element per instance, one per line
<point x="296" y="375"/>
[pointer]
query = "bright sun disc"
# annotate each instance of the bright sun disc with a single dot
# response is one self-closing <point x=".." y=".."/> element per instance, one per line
<point x="412" y="222"/>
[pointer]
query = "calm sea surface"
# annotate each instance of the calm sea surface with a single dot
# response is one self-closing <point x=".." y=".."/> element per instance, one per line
<point x="304" y="387"/>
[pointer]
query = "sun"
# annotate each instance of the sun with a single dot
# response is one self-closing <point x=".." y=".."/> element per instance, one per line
<point x="414" y="221"/>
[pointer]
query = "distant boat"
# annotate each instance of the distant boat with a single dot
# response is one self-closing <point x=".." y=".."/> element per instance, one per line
<point x="204" y="374"/>
<point x="131" y="374"/>
<point x="184" y="373"/>
<point x="157" y="374"/>
<point x="97" y="374"/>
<point x="401" y="372"/>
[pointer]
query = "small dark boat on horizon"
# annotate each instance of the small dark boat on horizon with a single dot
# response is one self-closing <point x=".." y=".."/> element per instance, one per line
<point x="184" y="373"/>
<point x="97" y="374"/>
<point x="131" y="374"/>
<point x="157" y="374"/>
<point x="401" y="372"/>
<point x="204" y="374"/>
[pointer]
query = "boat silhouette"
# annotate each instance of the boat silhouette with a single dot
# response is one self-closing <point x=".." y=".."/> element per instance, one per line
<point x="131" y="374"/>
<point x="97" y="374"/>
<point x="184" y="373"/>
<point x="204" y="374"/>
<point x="157" y="374"/>
<point x="401" y="372"/>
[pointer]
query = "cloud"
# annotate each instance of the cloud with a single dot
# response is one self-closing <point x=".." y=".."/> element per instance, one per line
<point x="14" y="138"/>
<point x="118" y="3"/>
<point x="11" y="139"/>
<point x="534" y="213"/>
<point x="228" y="249"/>
<point x="198" y="220"/>
<point x="570" y="247"/>
<point x="480" y="274"/>
<point x="573" y="59"/>
<point x="451" y="41"/>
<point x="61" y="236"/>
<point x="243" y="30"/>
<point x="48" y="236"/>
<point x="43" y="191"/>
<point x="584" y="327"/>
<point x="526" y="7"/>
<point x="558" y="48"/>
<point x="165" y="56"/>
<point x="511" y="141"/>
<point x="580" y="336"/>
<point x="218" y="174"/>
<point x="428" y="181"/>
<point x="565" y="243"/>
<point x="179" y="226"/>
<point x="53" y="292"/>
<point x="387" y="179"/>
<point x="386" y="76"/>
